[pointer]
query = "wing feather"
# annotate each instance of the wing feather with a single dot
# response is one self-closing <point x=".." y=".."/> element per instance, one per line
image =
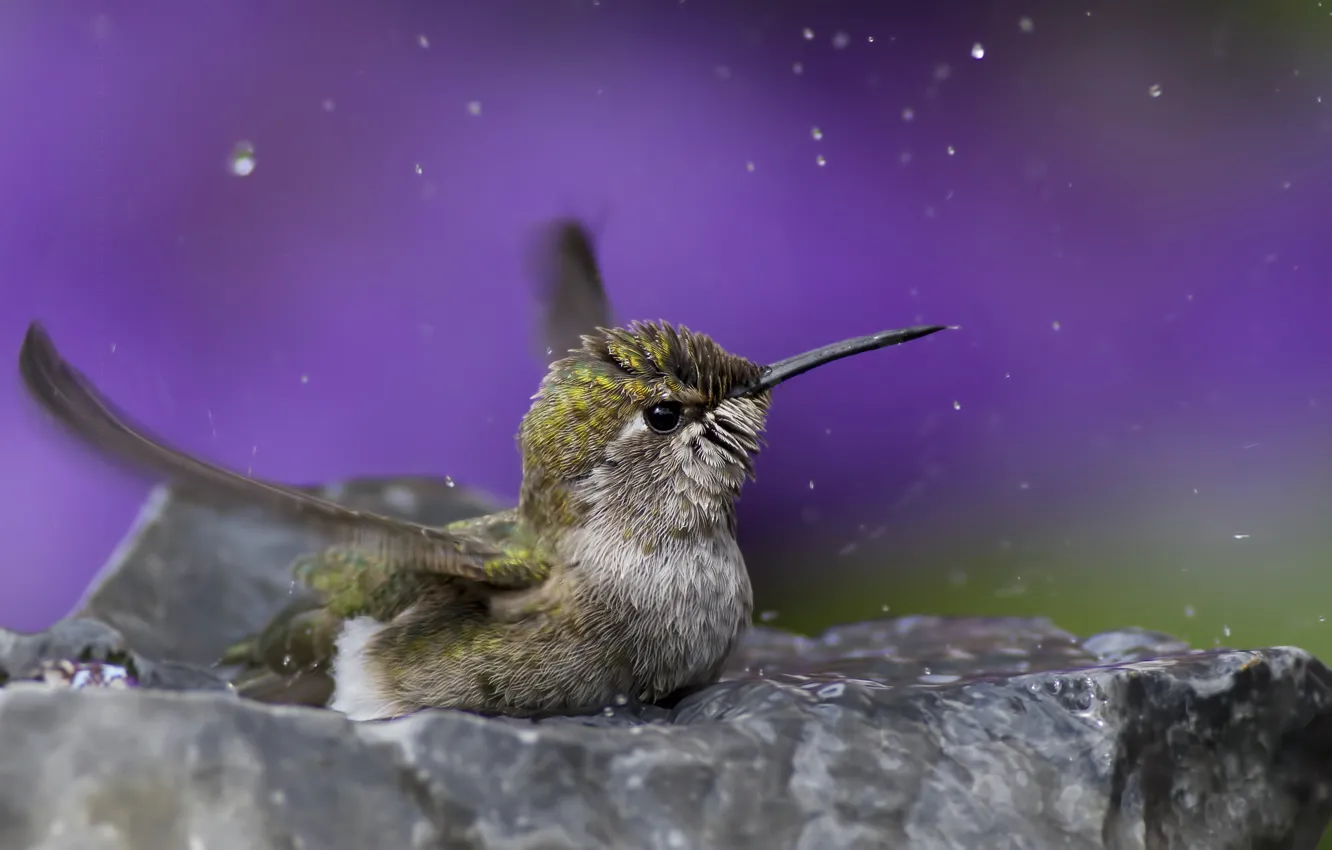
<point x="397" y="544"/>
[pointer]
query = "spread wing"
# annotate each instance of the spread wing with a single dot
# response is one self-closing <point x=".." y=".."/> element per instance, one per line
<point x="396" y="545"/>
<point x="572" y="293"/>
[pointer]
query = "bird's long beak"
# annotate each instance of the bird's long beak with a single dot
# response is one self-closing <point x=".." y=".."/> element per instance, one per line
<point x="783" y="370"/>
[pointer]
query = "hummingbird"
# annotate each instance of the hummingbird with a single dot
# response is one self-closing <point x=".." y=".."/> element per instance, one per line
<point x="616" y="577"/>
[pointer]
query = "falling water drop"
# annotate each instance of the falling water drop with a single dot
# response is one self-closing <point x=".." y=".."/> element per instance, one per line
<point x="242" y="159"/>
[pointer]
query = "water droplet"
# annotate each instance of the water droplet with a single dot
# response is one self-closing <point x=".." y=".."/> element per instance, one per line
<point x="767" y="616"/>
<point x="242" y="159"/>
<point x="422" y="40"/>
<point x="1154" y="90"/>
<point x="820" y="160"/>
<point x="951" y="150"/>
<point x="1242" y="536"/>
<point x="305" y="379"/>
<point x="798" y="68"/>
<point x="749" y="166"/>
<point x="978" y="51"/>
<point x="840" y="40"/>
<point x="608" y="711"/>
<point x="1188" y="611"/>
<point x="621" y="699"/>
<point x="1026" y="24"/>
<point x="329" y="105"/>
<point x="1055" y="324"/>
<point x="816" y="133"/>
<point x="870" y="39"/>
<point x="808" y="34"/>
<point x="811" y="484"/>
<point x="473" y="107"/>
<point x="1225" y="630"/>
<point x="417" y="168"/>
<point x="957" y="405"/>
<point x="908" y="114"/>
<point x="885" y="608"/>
<point x="942" y="71"/>
<point x="448" y="481"/>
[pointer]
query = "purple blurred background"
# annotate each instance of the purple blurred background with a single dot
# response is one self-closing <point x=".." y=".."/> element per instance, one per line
<point x="1124" y="205"/>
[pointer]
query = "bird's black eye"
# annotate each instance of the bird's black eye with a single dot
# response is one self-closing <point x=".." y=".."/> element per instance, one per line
<point x="664" y="416"/>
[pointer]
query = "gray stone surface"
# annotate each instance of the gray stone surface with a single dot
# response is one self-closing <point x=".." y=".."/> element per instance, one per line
<point x="913" y="733"/>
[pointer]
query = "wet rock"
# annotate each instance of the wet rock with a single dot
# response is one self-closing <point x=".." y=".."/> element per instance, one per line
<point x="916" y="732"/>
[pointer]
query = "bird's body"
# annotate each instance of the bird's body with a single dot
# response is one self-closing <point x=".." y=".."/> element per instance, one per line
<point x="617" y="577"/>
<point x="617" y="626"/>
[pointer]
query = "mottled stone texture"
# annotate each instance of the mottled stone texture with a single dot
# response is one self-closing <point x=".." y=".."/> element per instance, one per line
<point x="907" y="733"/>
